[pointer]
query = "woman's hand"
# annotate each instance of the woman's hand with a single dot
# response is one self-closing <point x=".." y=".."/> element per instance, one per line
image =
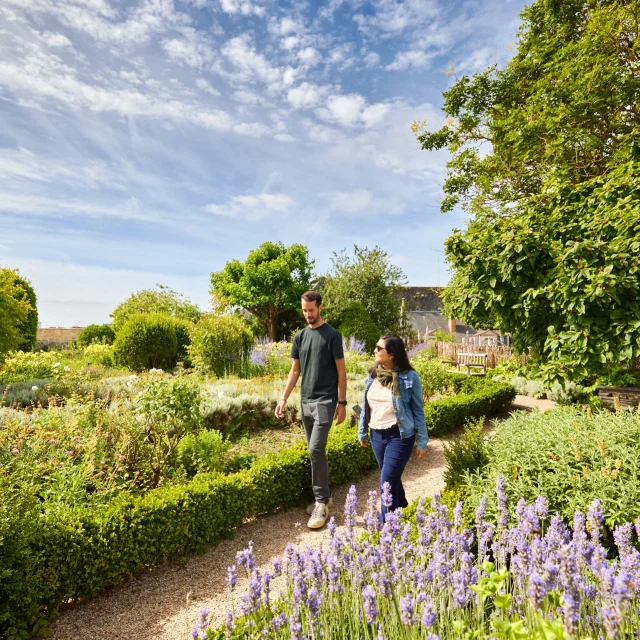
<point x="364" y="443"/>
<point x="420" y="453"/>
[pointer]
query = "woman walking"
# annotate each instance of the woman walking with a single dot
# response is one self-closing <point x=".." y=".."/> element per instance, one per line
<point x="393" y="413"/>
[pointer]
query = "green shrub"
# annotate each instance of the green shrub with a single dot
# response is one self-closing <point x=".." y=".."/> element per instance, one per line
<point x="244" y="412"/>
<point x="567" y="393"/>
<point x="357" y="322"/>
<point x="23" y="367"/>
<point x="432" y="375"/>
<point x="147" y="341"/>
<point x="96" y="333"/>
<point x="219" y="344"/>
<point x="101" y="354"/>
<point x="570" y="456"/>
<point x="466" y="454"/>
<point x="482" y="398"/>
<point x="23" y="394"/>
<point x="183" y="329"/>
<point x="69" y="554"/>
<point x="202" y="453"/>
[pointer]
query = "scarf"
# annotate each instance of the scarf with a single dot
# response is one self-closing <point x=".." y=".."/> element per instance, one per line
<point x="389" y="378"/>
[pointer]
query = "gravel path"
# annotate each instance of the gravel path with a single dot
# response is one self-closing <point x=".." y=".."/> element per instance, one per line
<point x="164" y="602"/>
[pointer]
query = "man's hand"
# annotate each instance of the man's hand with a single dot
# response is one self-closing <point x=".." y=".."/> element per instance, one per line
<point x="420" y="453"/>
<point x="341" y="413"/>
<point x="280" y="409"/>
<point x="364" y="443"/>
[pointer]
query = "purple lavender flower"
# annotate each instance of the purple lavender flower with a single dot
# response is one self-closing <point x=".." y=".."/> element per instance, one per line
<point x="278" y="622"/>
<point x="428" y="614"/>
<point x="277" y="567"/>
<point x="537" y="591"/>
<point x="407" y="610"/>
<point x="501" y="493"/>
<point x="232" y="577"/>
<point x="229" y="624"/>
<point x="369" y="602"/>
<point x="195" y="632"/>
<point x="595" y="518"/>
<point x="350" y="508"/>
<point x="387" y="500"/>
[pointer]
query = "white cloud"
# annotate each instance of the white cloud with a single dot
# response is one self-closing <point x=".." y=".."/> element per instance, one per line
<point x="248" y="63"/>
<point x="203" y="85"/>
<point x="351" y="109"/>
<point x="289" y="43"/>
<point x="372" y="59"/>
<point x="253" y="129"/>
<point x="246" y="97"/>
<point x="362" y="201"/>
<point x="416" y="59"/>
<point x="392" y="18"/>
<point x="305" y="96"/>
<point x="253" y="207"/>
<point x="309" y="56"/>
<point x="188" y="50"/>
<point x="284" y="137"/>
<point x="242" y="7"/>
<point x="56" y="40"/>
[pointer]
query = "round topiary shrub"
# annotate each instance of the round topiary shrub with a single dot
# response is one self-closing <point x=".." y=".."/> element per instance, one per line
<point x="219" y="344"/>
<point x="183" y="330"/>
<point x="357" y="322"/>
<point x="147" y="341"/>
<point x="96" y="334"/>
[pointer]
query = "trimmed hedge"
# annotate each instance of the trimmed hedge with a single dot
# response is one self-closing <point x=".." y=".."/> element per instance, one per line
<point x="478" y="397"/>
<point x="75" y="553"/>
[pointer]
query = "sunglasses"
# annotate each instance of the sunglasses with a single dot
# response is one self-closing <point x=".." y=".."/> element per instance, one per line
<point x="379" y="348"/>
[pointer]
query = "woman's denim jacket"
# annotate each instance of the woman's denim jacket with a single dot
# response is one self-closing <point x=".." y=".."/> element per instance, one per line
<point x="409" y="409"/>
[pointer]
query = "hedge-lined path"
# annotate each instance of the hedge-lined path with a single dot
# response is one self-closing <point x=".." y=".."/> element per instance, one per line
<point x="164" y="603"/>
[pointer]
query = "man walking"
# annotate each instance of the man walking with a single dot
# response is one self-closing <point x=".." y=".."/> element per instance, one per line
<point x="317" y="353"/>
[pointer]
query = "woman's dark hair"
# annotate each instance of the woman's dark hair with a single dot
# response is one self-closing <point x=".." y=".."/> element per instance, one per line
<point x="395" y="347"/>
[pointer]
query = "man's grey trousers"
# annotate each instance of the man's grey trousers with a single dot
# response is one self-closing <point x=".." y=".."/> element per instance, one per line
<point x="317" y="418"/>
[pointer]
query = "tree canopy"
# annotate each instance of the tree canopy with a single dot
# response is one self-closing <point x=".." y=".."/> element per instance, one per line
<point x="15" y="307"/>
<point x="268" y="284"/>
<point x="28" y="328"/>
<point x="544" y="156"/>
<point x="164" y="301"/>
<point x="369" y="277"/>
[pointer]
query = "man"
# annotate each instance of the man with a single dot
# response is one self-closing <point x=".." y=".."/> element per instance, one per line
<point x="317" y="353"/>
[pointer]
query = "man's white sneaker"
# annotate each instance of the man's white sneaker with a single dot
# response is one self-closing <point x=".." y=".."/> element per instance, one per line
<point x="312" y="506"/>
<point x="319" y="516"/>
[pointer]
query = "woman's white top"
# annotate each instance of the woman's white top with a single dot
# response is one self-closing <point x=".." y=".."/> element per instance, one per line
<point x="381" y="406"/>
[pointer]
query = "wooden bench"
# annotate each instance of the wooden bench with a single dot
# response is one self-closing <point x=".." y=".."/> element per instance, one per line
<point x="469" y="363"/>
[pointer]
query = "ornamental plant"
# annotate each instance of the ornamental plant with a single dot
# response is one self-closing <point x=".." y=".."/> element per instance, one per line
<point x="531" y="577"/>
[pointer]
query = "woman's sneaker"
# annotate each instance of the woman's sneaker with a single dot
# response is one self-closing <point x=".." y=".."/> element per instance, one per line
<point x="318" y="516"/>
<point x="312" y="506"/>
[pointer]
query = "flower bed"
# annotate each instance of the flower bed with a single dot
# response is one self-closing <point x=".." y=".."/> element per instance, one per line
<point x="435" y="579"/>
<point x="53" y="557"/>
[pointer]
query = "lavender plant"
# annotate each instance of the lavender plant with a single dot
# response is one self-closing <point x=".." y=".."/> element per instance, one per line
<point x="531" y="577"/>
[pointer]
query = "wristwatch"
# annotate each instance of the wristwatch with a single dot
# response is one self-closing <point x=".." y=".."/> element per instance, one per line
<point x="342" y="402"/>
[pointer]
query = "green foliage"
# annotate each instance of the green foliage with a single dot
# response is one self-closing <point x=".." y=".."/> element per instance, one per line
<point x="551" y="253"/>
<point x="164" y="301"/>
<point x="14" y="311"/>
<point x="219" y="344"/>
<point x="203" y="452"/>
<point x="28" y="329"/>
<point x="357" y="322"/>
<point x="432" y="375"/>
<point x="168" y="408"/>
<point x="443" y="336"/>
<point x="487" y="398"/>
<point x="146" y="341"/>
<point x="570" y="456"/>
<point x="183" y="329"/>
<point x="23" y="394"/>
<point x="22" y="367"/>
<point x="466" y="454"/>
<point x="101" y="354"/>
<point x="268" y="284"/>
<point x="96" y="333"/>
<point x="69" y="554"/>
<point x="367" y="277"/>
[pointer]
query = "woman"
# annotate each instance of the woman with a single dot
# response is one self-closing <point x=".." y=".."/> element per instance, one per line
<point x="393" y="412"/>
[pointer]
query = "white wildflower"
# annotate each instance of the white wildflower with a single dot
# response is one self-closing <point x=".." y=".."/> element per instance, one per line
<point x="34" y="388"/>
<point x="220" y="394"/>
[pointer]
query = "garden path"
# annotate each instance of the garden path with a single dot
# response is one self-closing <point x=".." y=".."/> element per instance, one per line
<point x="164" y="602"/>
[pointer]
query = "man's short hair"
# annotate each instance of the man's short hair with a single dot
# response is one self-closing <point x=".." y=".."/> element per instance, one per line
<point x="312" y="296"/>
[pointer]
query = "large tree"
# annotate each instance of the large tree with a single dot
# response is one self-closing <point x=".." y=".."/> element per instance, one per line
<point x="369" y="277"/>
<point x="268" y="284"/>
<point x="163" y="300"/>
<point x="544" y="156"/>
<point x="14" y="311"/>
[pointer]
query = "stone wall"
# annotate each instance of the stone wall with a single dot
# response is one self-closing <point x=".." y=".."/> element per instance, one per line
<point x="56" y="336"/>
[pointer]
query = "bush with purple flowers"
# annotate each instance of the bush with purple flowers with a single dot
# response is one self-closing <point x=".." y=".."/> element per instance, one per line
<point x="526" y="577"/>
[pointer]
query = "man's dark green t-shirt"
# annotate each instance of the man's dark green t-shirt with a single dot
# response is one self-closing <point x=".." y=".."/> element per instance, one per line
<point x="318" y="349"/>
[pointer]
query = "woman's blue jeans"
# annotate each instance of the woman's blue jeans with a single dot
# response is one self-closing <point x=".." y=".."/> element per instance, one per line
<point x="392" y="453"/>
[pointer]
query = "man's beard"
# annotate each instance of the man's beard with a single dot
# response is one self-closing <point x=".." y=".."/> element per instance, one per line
<point x="312" y="320"/>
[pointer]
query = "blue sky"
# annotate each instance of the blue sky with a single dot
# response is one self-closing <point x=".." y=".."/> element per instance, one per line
<point x="152" y="141"/>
